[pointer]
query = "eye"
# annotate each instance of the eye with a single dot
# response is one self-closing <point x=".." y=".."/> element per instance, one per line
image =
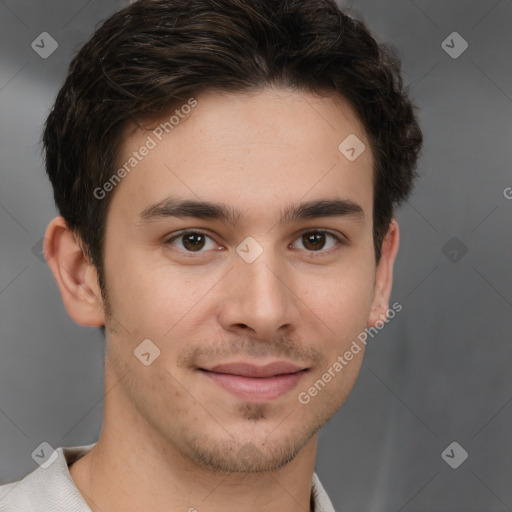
<point x="191" y="241"/>
<point x="315" y="241"/>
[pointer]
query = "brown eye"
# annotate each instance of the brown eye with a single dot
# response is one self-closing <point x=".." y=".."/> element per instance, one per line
<point x="191" y="241"/>
<point x="315" y="241"/>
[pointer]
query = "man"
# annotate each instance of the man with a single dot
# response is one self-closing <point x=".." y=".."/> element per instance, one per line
<point x="227" y="174"/>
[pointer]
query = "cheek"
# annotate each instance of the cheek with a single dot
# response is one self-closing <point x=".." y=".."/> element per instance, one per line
<point x="342" y="305"/>
<point x="342" y="300"/>
<point x="152" y="297"/>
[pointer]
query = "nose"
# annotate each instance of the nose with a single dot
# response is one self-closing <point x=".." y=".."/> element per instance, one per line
<point x="258" y="299"/>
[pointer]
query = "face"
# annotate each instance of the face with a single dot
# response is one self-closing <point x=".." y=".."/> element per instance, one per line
<point x="254" y="303"/>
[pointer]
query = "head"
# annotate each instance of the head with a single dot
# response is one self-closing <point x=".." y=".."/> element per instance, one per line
<point x="246" y="105"/>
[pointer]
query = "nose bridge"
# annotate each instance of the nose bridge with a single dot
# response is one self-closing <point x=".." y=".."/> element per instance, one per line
<point x="261" y="279"/>
<point x="260" y="294"/>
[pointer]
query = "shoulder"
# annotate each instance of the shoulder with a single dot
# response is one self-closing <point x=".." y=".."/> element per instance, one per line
<point x="48" y="487"/>
<point x="18" y="496"/>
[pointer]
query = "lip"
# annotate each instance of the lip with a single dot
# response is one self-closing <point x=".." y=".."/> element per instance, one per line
<point x="256" y="383"/>
<point x="245" y="369"/>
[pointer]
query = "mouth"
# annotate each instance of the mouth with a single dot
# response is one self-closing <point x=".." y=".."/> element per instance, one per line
<point x="256" y="383"/>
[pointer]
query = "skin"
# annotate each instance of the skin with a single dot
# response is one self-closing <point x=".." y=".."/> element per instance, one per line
<point x="171" y="438"/>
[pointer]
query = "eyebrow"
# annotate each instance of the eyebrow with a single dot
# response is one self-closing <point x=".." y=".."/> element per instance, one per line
<point x="184" y="208"/>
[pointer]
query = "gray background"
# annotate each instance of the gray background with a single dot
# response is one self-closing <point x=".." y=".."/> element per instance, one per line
<point x="438" y="372"/>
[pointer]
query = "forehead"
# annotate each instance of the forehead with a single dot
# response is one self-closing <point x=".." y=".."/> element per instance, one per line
<point x="250" y="148"/>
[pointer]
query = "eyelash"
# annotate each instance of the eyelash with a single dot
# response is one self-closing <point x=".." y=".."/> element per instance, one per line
<point x="340" y="241"/>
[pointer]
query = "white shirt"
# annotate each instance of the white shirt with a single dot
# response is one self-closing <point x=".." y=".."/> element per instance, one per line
<point x="52" y="489"/>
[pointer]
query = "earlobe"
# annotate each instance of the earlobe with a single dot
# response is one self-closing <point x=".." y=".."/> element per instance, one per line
<point x="384" y="275"/>
<point x="75" y="275"/>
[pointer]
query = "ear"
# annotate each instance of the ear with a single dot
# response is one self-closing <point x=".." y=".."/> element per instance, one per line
<point x="384" y="275"/>
<point x="75" y="275"/>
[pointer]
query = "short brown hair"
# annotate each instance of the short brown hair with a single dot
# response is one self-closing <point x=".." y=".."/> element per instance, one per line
<point x="154" y="54"/>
